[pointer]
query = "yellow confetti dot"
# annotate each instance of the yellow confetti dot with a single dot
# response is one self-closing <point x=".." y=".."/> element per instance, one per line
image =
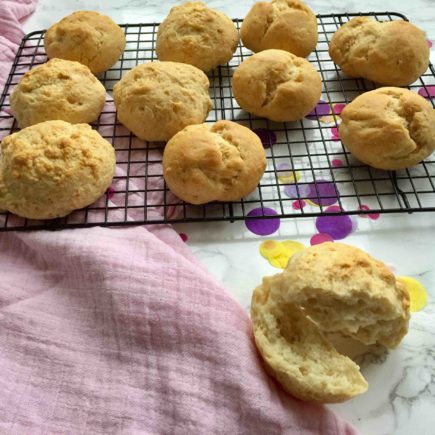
<point x="417" y="292"/>
<point x="327" y="119"/>
<point x="289" y="177"/>
<point x="279" y="253"/>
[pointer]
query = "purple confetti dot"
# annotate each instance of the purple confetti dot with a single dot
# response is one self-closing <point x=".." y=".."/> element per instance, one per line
<point x="296" y="191"/>
<point x="427" y="92"/>
<point x="338" y="227"/>
<point x="323" y="193"/>
<point x="267" y="137"/>
<point x="262" y="227"/>
<point x="283" y="166"/>
<point x="322" y="109"/>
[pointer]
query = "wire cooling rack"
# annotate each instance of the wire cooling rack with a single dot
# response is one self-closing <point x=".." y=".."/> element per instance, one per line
<point x="309" y="173"/>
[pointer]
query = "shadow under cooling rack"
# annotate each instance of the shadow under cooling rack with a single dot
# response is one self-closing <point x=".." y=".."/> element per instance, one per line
<point x="309" y="173"/>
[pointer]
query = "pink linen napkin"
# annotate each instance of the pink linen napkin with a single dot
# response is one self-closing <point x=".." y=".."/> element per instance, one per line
<point x="110" y="331"/>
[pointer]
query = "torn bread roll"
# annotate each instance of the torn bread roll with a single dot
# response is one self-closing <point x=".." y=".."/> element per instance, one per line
<point x="327" y="288"/>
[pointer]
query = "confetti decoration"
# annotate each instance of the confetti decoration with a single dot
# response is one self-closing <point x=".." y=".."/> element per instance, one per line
<point x="337" y="227"/>
<point x="417" y="293"/>
<point x="372" y="216"/>
<point x="427" y="92"/>
<point x="110" y="192"/>
<point x="279" y="253"/>
<point x="322" y="192"/>
<point x="262" y="226"/>
<point x="322" y="109"/>
<point x="298" y="204"/>
<point x="335" y="134"/>
<point x="338" y="108"/>
<point x="320" y="238"/>
<point x="267" y="137"/>
<point x="286" y="174"/>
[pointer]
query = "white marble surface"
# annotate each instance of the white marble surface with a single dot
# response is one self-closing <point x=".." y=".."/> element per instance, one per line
<point x="401" y="397"/>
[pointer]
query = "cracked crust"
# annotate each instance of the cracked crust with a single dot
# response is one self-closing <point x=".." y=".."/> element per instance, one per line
<point x="389" y="128"/>
<point x="277" y="85"/>
<point x="213" y="162"/>
<point x="58" y="89"/>
<point x="195" y="34"/>
<point x="391" y="53"/>
<point x="52" y="168"/>
<point x="350" y="292"/>
<point x="88" y="37"/>
<point x="296" y="352"/>
<point x="287" y="25"/>
<point x="156" y="100"/>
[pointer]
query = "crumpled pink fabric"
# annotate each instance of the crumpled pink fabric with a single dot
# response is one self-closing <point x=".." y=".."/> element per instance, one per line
<point x="108" y="331"/>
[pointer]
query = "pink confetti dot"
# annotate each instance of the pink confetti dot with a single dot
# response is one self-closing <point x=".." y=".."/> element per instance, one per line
<point x="338" y="108"/>
<point x="335" y="133"/>
<point x="299" y="204"/>
<point x="183" y="237"/>
<point x="110" y="192"/>
<point x="320" y="238"/>
<point x="372" y="216"/>
<point x="427" y="92"/>
<point x="337" y="163"/>
<point x="429" y="43"/>
<point x="334" y="209"/>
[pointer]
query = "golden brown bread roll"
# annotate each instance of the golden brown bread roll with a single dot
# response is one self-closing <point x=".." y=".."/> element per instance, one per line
<point x="288" y="25"/>
<point x="156" y="100"/>
<point x="277" y="85"/>
<point x="389" y="128"/>
<point x="49" y="169"/>
<point x="58" y="89"/>
<point x="213" y="162"/>
<point x="195" y="34"/>
<point x="392" y="53"/>
<point x="88" y="37"/>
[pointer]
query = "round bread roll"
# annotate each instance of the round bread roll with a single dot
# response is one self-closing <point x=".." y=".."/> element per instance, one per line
<point x="52" y="168"/>
<point x="288" y="25"/>
<point x="392" y="53"/>
<point x="58" y="89"/>
<point x="389" y="128"/>
<point x="277" y="85"/>
<point x="327" y="288"/>
<point x="195" y="34"/>
<point x="88" y="37"/>
<point x="296" y="352"/>
<point x="213" y="162"/>
<point x="155" y="100"/>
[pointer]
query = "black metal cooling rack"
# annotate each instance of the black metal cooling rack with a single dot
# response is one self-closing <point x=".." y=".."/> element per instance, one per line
<point x="305" y="163"/>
